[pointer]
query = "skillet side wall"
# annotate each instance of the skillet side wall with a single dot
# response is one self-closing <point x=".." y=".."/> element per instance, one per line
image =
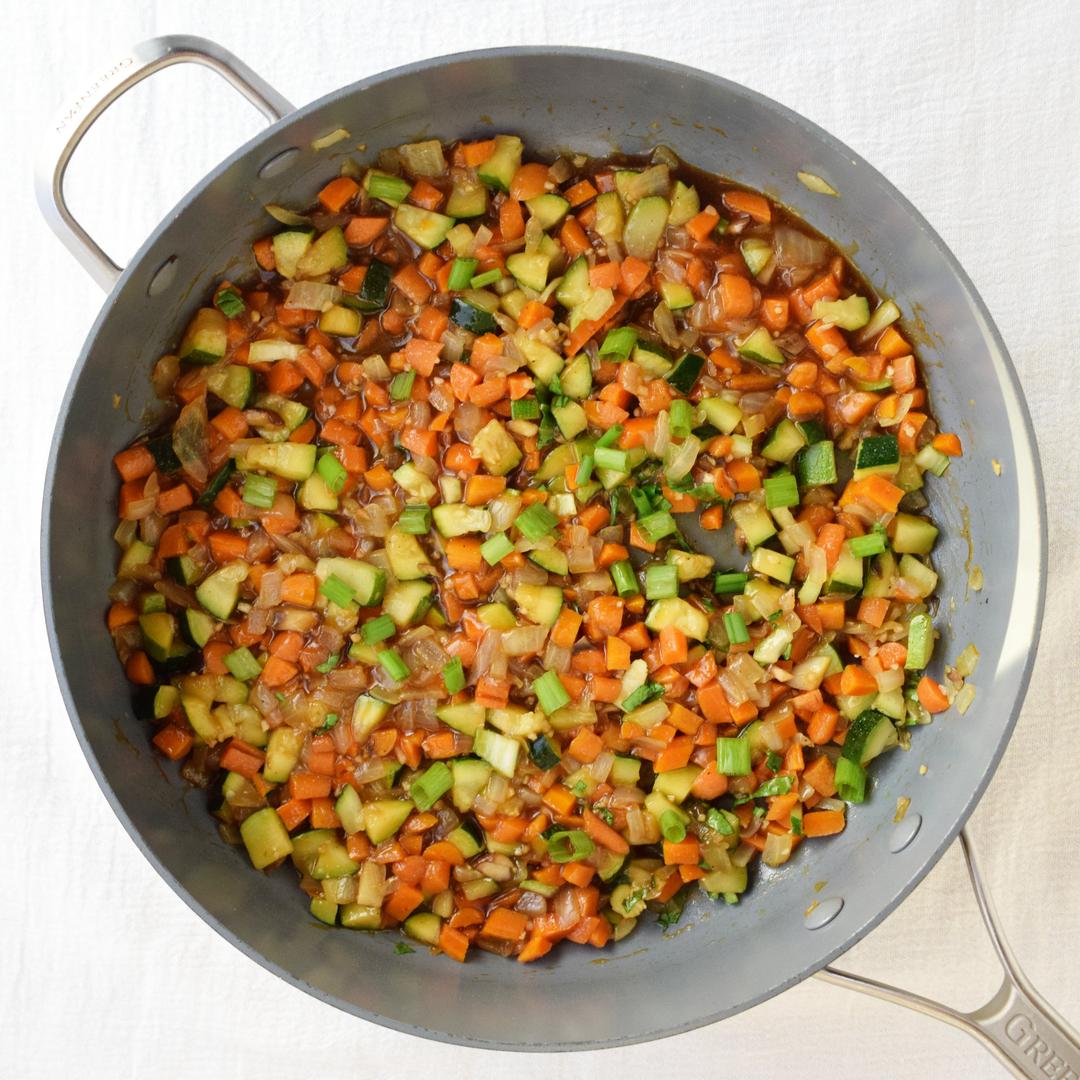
<point x="594" y="102"/>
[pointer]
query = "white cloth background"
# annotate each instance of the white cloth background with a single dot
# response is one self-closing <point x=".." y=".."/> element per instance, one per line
<point x="971" y="109"/>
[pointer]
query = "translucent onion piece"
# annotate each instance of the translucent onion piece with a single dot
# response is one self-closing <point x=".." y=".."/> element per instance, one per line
<point x="679" y="459"/>
<point x="816" y="184"/>
<point x="324" y="141"/>
<point x="794" y="249"/>
<point x="313" y="296"/>
<point x="190" y="439"/>
<point x="285" y="216"/>
<point x="524" y="640"/>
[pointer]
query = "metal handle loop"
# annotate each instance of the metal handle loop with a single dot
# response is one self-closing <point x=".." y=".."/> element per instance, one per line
<point x="1016" y="1024"/>
<point x="69" y="128"/>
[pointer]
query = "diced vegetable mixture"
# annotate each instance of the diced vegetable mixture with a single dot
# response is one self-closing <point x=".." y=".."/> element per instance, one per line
<point x="404" y="581"/>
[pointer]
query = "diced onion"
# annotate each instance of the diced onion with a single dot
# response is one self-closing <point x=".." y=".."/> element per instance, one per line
<point x="335" y="136"/>
<point x="313" y="296"/>
<point x="285" y="216"/>
<point x="816" y="184"/>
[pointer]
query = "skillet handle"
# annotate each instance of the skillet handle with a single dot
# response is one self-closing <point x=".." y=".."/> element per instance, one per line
<point x="1016" y="1025"/>
<point x="68" y="129"/>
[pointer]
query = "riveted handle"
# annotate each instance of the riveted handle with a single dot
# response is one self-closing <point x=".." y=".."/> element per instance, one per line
<point x="72" y="124"/>
<point x="1016" y="1024"/>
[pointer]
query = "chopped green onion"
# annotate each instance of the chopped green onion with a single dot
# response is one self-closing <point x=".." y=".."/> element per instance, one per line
<point x="229" y="303"/>
<point x="781" y="490"/>
<point x="544" y="753"/>
<point x="333" y="472"/>
<point x="535" y="521"/>
<point x="730" y="584"/>
<point x="778" y="785"/>
<point x="610" y="437"/>
<point x="619" y="342"/>
<point x="685" y="372"/>
<point x="337" y="591"/>
<point x="242" y="664"/>
<point x="773" y="761"/>
<point x="796" y="824"/>
<point x="735" y="628"/>
<point x="496" y="549"/>
<point x="642" y="696"/>
<point x="681" y="418"/>
<point x="721" y="821"/>
<point x="431" y="785"/>
<point x="330" y="721"/>
<point x="642" y="503"/>
<point x="613" y="504"/>
<point x="329" y="663"/>
<point x="391" y="189"/>
<point x="461" y="274"/>
<point x="569" y="845"/>
<point x="259" y="491"/>
<point x="656" y="526"/>
<point x="378" y="629"/>
<point x="661" y="581"/>
<point x="607" y="458"/>
<point x="850" y="780"/>
<point x="550" y="692"/>
<point x="453" y="676"/>
<point x="415" y="519"/>
<point x="873" y="543"/>
<point x="395" y="667"/>
<point x="733" y="757"/>
<point x="673" y="827"/>
<point x="486" y="278"/>
<point x="525" y="409"/>
<point x="622" y="573"/>
<point x="584" y="470"/>
<point x="402" y="384"/>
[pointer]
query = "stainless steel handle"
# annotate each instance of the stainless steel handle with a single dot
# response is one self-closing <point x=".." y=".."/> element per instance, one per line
<point x="67" y="131"/>
<point x="1016" y="1024"/>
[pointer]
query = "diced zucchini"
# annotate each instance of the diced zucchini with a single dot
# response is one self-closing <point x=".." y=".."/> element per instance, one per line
<point x="470" y="778"/>
<point x="676" y="295"/>
<point x="468" y="717"/>
<point x="368" y="713"/>
<point x="407" y="558"/>
<point x="469" y="198"/>
<point x="366" y="581"/>
<point x="423" y="926"/>
<point x="457" y="519"/>
<point x="685" y="204"/>
<point x="166" y="698"/>
<point x="315" y="494"/>
<point x="610" y="222"/>
<point x="877" y="454"/>
<point x="466" y="840"/>
<point x="913" y="535"/>
<point x="759" y="346"/>
<point x="847" y="574"/>
<point x="499" y="751"/>
<point x="676" y="783"/>
<point x="197" y="626"/>
<point x="265" y="837"/>
<point x="383" y="818"/>
<point x="571" y="419"/>
<point x="293" y="461"/>
<point x="233" y="383"/>
<point x="754" y="522"/>
<point x="920" y="642"/>
<point x="548" y="209"/>
<point x="327" y="253"/>
<point x="870" y="734"/>
<point x="724" y="415"/>
<point x="690" y="565"/>
<point x="158" y="633"/>
<point x="426" y="228"/>
<point x="774" y="565"/>
<point x="340" y="321"/>
<point x="574" y="287"/>
<point x="851" y="313"/>
<point x="282" y="754"/>
<point x="576" y="378"/>
<point x="784" y="442"/>
<point x="319" y="854"/>
<point x="544" y="361"/>
<point x="220" y="591"/>
<point x="756" y="253"/>
<point x="816" y="465"/>
<point x="499" y="169"/>
<point x="206" y="337"/>
<point x="289" y="247"/>
<point x="360" y="916"/>
<point x="539" y="603"/>
<point x="645" y="226"/>
<point x="409" y="478"/>
<point x="674" y="611"/>
<point x="496" y="448"/>
<point x="529" y="269"/>
<point x="918" y="575"/>
<point x="498" y="616"/>
<point x="408" y="602"/>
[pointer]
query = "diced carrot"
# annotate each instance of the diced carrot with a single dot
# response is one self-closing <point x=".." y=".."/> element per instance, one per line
<point x="684" y="853"/>
<point x="749" y="202"/>
<point x="173" y="742"/>
<point x="931" y="695"/>
<point x="506" y="924"/>
<point x="134" y="463"/>
<point x="823" y="822"/>
<point x="700" y="226"/>
<point x="822" y="725"/>
<point x="947" y="443"/>
<point x="422" y="356"/>
<point x="529" y="181"/>
<point x="361" y="231"/>
<point x="338" y="192"/>
<point x="403" y="901"/>
<point x="820" y="775"/>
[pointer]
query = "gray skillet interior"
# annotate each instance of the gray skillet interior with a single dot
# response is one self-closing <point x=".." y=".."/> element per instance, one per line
<point x="722" y="959"/>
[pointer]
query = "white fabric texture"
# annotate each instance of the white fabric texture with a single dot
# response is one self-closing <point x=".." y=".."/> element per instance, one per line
<point x="970" y="108"/>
